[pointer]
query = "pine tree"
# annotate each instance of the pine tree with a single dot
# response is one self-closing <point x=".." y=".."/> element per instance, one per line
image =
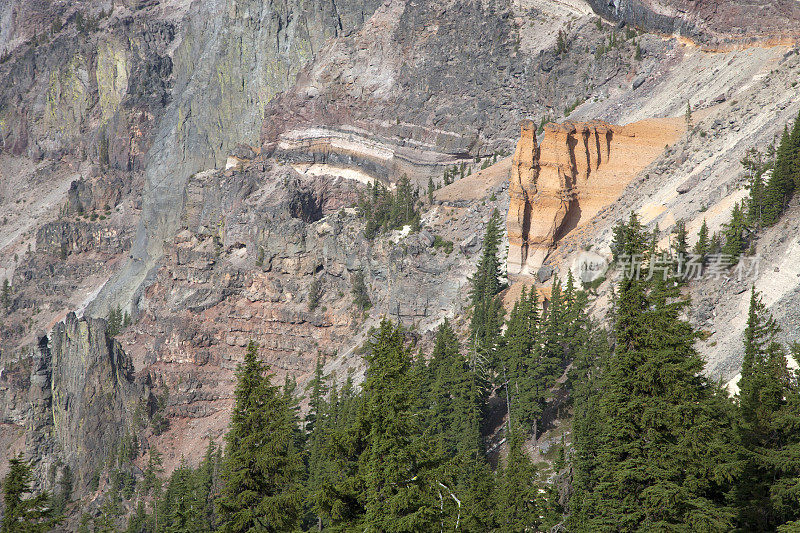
<point x="485" y="284"/>
<point x="154" y="468"/>
<point x="522" y="360"/>
<point x="735" y="234"/>
<point x="680" y="246"/>
<point x="360" y="291"/>
<point x="207" y="480"/>
<point x="781" y="185"/>
<point x="463" y="480"/>
<point x="335" y="488"/>
<point x="318" y="387"/>
<point x="457" y="395"/>
<point x="701" y="248"/>
<point x="755" y="165"/>
<point x="24" y="512"/>
<point x="5" y="294"/>
<point x="398" y="490"/>
<point x="181" y="508"/>
<point x="586" y="383"/>
<point x="769" y="397"/>
<point x="664" y="435"/>
<point x="518" y="508"/>
<point x="262" y="469"/>
<point x="315" y="293"/>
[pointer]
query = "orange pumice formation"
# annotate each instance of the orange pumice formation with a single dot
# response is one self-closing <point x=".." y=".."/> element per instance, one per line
<point x="579" y="168"/>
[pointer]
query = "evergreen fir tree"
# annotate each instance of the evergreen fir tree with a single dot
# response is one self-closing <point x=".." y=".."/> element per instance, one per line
<point x="663" y="438"/>
<point x="735" y="234"/>
<point x="781" y="185"/>
<point x="485" y="284"/>
<point x="318" y="388"/>
<point x="261" y="466"/>
<point x="680" y="245"/>
<point x="518" y="508"/>
<point x="394" y="465"/>
<point x="767" y="494"/>
<point x="336" y="490"/>
<point x="701" y="248"/>
<point x="180" y="510"/>
<point x="5" y="294"/>
<point x="151" y="480"/>
<point x="24" y="512"/>
<point x="520" y="361"/>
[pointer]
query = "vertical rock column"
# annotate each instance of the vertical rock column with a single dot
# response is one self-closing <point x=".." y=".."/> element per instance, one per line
<point x="524" y="173"/>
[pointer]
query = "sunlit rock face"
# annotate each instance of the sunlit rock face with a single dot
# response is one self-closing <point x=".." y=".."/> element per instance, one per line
<point x="579" y="168"/>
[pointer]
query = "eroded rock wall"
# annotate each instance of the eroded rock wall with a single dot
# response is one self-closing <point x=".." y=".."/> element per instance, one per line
<point x="579" y="168"/>
<point x="712" y="23"/>
<point x="75" y="395"/>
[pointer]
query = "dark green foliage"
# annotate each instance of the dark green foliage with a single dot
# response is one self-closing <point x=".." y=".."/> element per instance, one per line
<point x="439" y="242"/>
<point x="385" y="210"/>
<point x="629" y="239"/>
<point x="334" y="489"/>
<point x="485" y="285"/>
<point x="315" y="293"/>
<point x="180" y="509"/>
<point x="24" y="512"/>
<point x="115" y="322"/>
<point x="785" y="178"/>
<point x="261" y="466"/>
<point x="521" y="359"/>
<point x="456" y="396"/>
<point x="680" y="245"/>
<point x="535" y="351"/>
<point x="64" y="495"/>
<point x="518" y="506"/>
<point x="662" y="444"/>
<point x="702" y="246"/>
<point x="399" y="493"/>
<point x="5" y="294"/>
<point x="756" y="164"/>
<point x="736" y="234"/>
<point x="360" y="291"/>
<point x="187" y="504"/>
<point x="561" y="43"/>
<point x="768" y="493"/>
<point x="154" y="469"/>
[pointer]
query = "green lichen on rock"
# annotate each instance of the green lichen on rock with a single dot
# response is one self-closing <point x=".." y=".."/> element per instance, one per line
<point x="68" y="98"/>
<point x="113" y="70"/>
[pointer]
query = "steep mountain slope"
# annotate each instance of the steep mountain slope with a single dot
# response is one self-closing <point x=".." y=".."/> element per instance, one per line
<point x="118" y="190"/>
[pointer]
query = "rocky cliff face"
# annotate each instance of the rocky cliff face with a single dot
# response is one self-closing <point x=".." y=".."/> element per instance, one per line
<point x="94" y="395"/>
<point x="580" y="168"/>
<point x="228" y="62"/>
<point x="712" y="23"/>
<point x="75" y="395"/>
<point x="252" y="241"/>
<point x="113" y="137"/>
